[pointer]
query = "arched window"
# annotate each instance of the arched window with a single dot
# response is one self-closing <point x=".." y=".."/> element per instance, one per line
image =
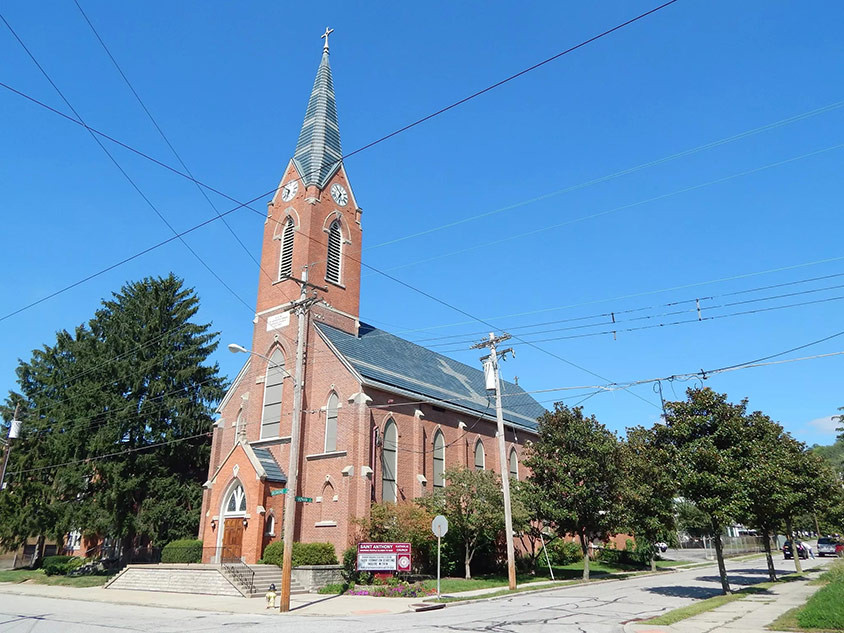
<point x="389" y="454"/>
<point x="269" y="525"/>
<point x="480" y="458"/>
<point x="285" y="261"/>
<point x="335" y="243"/>
<point x="331" y="423"/>
<point x="439" y="459"/>
<point x="271" y="417"/>
<point x="237" y="501"/>
<point x="326" y="508"/>
<point x="514" y="464"/>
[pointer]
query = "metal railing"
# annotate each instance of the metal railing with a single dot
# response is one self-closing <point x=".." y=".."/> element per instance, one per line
<point x="239" y="571"/>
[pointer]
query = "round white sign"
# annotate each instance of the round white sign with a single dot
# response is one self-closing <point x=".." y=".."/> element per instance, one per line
<point x="439" y="526"/>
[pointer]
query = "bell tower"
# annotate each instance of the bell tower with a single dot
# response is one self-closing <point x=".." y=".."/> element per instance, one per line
<point x="313" y="221"/>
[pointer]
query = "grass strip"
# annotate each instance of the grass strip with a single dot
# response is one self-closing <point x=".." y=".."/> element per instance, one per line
<point x="37" y="576"/>
<point x="824" y="611"/>
<point x="702" y="606"/>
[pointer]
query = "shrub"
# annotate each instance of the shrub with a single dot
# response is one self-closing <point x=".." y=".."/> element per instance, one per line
<point x="303" y="554"/>
<point x="185" y="550"/>
<point x="314" y="554"/>
<point x="273" y="553"/>
<point x="335" y="588"/>
<point x="564" y="552"/>
<point x="60" y="565"/>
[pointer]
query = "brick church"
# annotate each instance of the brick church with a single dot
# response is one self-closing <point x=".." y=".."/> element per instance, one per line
<point x="381" y="418"/>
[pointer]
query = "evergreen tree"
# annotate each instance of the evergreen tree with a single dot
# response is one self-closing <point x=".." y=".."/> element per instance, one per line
<point x="122" y="411"/>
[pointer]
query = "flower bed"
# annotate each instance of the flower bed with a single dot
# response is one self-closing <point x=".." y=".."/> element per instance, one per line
<point x="400" y="590"/>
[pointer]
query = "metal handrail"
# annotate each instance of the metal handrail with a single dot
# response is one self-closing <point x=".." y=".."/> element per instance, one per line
<point x="237" y="569"/>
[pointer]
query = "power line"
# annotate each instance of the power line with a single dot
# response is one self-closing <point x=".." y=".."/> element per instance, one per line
<point x="624" y="172"/>
<point x="120" y="167"/>
<point x="698" y="309"/>
<point x="682" y="322"/>
<point x="623" y="207"/>
<point x="357" y="151"/>
<point x="164" y="137"/>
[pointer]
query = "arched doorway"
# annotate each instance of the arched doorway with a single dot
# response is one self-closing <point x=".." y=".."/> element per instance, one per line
<point x="234" y="513"/>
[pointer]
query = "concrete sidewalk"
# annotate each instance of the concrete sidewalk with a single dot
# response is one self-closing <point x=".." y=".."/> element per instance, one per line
<point x="301" y="604"/>
<point x="747" y="615"/>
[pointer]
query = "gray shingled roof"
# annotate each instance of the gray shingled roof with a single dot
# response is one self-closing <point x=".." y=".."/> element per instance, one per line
<point x="389" y="362"/>
<point x="318" y="151"/>
<point x="273" y="470"/>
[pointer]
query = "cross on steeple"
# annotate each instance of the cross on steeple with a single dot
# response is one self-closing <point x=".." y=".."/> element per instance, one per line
<point x="325" y="35"/>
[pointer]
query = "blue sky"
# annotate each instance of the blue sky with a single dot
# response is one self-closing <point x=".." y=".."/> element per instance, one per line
<point x="228" y="83"/>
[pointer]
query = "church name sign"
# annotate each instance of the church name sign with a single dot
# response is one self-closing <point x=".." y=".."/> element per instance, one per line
<point x="383" y="556"/>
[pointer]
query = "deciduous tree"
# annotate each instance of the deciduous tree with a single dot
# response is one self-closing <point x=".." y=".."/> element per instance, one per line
<point x="577" y="475"/>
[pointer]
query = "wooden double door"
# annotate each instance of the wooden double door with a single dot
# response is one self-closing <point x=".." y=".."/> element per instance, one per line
<point x="232" y="539"/>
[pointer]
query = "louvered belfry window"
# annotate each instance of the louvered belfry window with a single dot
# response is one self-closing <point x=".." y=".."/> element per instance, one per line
<point x="332" y="272"/>
<point x="285" y="263"/>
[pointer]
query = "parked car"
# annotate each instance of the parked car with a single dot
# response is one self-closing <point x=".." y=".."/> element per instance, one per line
<point x="802" y="552"/>
<point x="661" y="546"/>
<point x="828" y="546"/>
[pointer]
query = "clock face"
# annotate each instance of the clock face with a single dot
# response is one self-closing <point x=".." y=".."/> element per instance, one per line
<point x="289" y="190"/>
<point x="339" y="194"/>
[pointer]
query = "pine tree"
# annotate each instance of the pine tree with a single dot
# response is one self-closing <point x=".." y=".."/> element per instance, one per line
<point x="123" y="410"/>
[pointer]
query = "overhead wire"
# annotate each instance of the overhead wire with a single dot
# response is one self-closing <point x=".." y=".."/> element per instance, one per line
<point x="164" y="137"/>
<point x="354" y="152"/>
<point x="598" y="389"/>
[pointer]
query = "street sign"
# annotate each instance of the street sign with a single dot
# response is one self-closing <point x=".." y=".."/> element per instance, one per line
<point x="275" y="493"/>
<point x="384" y="557"/>
<point x="304" y="499"/>
<point x="439" y="526"/>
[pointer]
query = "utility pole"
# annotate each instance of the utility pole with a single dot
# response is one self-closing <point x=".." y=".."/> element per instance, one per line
<point x="14" y="431"/>
<point x="492" y="359"/>
<point x="302" y="308"/>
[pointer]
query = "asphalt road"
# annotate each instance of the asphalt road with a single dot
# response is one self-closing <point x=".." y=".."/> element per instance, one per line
<point x="596" y="608"/>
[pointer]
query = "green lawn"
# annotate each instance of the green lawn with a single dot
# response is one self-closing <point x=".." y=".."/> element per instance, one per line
<point x="824" y="611"/>
<point x="572" y="572"/>
<point x="38" y="576"/>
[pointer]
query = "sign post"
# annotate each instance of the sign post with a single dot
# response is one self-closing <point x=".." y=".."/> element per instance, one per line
<point x="439" y="526"/>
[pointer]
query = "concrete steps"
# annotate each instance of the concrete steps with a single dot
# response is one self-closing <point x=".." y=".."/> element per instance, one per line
<point x="201" y="579"/>
<point x="267" y="574"/>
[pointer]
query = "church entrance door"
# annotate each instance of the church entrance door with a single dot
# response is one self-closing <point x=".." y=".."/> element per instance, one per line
<point x="232" y="539"/>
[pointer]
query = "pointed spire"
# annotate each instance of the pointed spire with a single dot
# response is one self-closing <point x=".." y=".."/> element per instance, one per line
<point x="318" y="153"/>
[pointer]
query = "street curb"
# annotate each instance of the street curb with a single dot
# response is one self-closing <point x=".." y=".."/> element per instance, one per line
<point x="670" y="570"/>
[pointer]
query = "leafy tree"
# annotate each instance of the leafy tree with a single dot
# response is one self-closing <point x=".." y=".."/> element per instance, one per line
<point x="531" y="532"/>
<point x="705" y="436"/>
<point x="402" y="522"/>
<point x="773" y="459"/>
<point x="691" y="520"/>
<point x="120" y="412"/>
<point x="649" y="490"/>
<point x="577" y="476"/>
<point x="474" y="506"/>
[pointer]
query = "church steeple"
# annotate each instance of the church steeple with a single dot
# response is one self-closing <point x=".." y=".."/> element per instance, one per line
<point x="313" y="222"/>
<point x="318" y="153"/>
